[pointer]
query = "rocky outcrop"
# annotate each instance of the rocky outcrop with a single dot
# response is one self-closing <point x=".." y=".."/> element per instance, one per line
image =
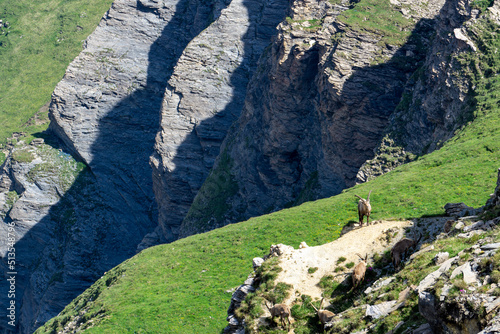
<point x="204" y="97"/>
<point x="435" y="102"/>
<point x="457" y="294"/>
<point x="59" y="234"/>
<point x="106" y="110"/>
<point x="315" y="110"/>
<point x="107" y="107"/>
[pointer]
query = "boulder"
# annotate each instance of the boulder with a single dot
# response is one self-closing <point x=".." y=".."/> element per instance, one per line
<point x="459" y="210"/>
<point x="441" y="257"/>
<point x="379" y="310"/>
<point x="257" y="262"/>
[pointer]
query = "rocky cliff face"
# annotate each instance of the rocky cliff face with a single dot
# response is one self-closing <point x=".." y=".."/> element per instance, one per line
<point x="328" y="91"/>
<point x="172" y="99"/>
<point x="203" y="98"/>
<point x="58" y="231"/>
<point x="435" y="102"/>
<point x="107" y="111"/>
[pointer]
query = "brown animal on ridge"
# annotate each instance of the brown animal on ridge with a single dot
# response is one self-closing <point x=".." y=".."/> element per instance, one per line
<point x="280" y="310"/>
<point x="359" y="272"/>
<point x="400" y="249"/>
<point x="324" y="316"/>
<point x="364" y="209"/>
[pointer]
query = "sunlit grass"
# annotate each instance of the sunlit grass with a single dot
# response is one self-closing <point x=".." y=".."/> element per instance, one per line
<point x="41" y="39"/>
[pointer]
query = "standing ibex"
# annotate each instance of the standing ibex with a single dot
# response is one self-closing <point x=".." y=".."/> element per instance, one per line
<point x="364" y="209"/>
<point x="399" y="250"/>
<point x="280" y="310"/>
<point x="324" y="316"/>
<point x="359" y="272"/>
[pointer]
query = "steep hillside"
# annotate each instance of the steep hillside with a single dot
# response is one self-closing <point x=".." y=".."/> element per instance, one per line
<point x="168" y="93"/>
<point x="37" y="42"/>
<point x="447" y="283"/>
<point x="340" y="81"/>
<point x="189" y="283"/>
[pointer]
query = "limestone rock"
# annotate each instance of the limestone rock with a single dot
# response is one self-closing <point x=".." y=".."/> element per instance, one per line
<point x="204" y="96"/>
<point x="257" y="262"/>
<point x="493" y="246"/>
<point x="430" y="279"/>
<point x="379" y="310"/>
<point x="470" y="276"/>
<point x="441" y="257"/>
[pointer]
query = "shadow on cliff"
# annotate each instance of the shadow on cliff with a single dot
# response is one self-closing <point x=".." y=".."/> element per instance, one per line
<point x="318" y="130"/>
<point x="102" y="218"/>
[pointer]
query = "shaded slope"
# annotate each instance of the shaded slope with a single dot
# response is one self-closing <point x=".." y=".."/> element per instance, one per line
<point x="110" y="97"/>
<point x="183" y="284"/>
<point x="321" y="101"/>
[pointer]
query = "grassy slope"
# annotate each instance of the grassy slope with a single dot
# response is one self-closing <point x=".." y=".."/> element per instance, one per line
<point x="35" y="49"/>
<point x="181" y="287"/>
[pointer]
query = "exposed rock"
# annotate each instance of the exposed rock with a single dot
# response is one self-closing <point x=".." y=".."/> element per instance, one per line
<point x="479" y="225"/>
<point x="445" y="292"/>
<point x="492" y="305"/>
<point x="303" y="245"/>
<point x="430" y="279"/>
<point x="457" y="271"/>
<point x="458" y="210"/>
<point x="204" y="96"/>
<point x="379" y="284"/>
<point x="441" y="257"/>
<point x="470" y="276"/>
<point x="460" y="225"/>
<point x="426" y="307"/>
<point x="494" y="328"/>
<point x="315" y="91"/>
<point x="490" y="246"/>
<point x="64" y="235"/>
<point x="37" y="141"/>
<point x="257" y="262"/>
<point x="379" y="310"/>
<point x="469" y="234"/>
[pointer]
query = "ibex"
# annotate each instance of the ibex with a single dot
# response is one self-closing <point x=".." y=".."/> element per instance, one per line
<point x="324" y="316"/>
<point x="399" y="250"/>
<point x="359" y="272"/>
<point x="364" y="209"/>
<point x="280" y="310"/>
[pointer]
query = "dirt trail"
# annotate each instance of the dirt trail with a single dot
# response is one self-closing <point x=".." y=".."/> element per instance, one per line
<point x="366" y="240"/>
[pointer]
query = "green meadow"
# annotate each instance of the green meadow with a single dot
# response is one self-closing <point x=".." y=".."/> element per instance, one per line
<point x="40" y="40"/>
<point x="185" y="286"/>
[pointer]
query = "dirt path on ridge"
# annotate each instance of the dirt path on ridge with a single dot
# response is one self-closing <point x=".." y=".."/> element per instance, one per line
<point x="366" y="240"/>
